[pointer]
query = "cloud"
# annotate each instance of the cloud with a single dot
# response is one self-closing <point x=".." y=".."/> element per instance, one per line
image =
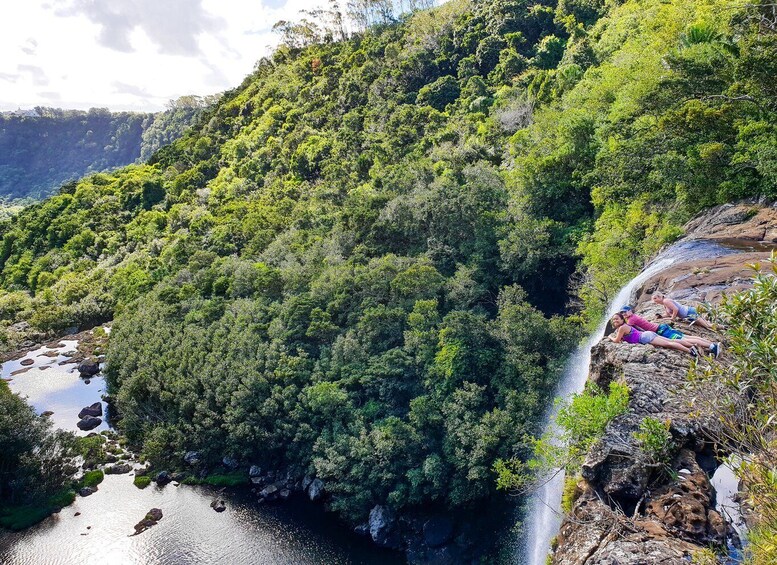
<point x="9" y="77"/>
<point x="39" y="78"/>
<point x="134" y="90"/>
<point x="172" y="25"/>
<point x="30" y="46"/>
<point x="54" y="96"/>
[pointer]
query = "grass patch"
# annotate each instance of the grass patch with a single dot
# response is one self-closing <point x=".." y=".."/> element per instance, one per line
<point x="568" y="494"/>
<point x="141" y="482"/>
<point x="92" y="449"/>
<point x="92" y="478"/>
<point x="226" y="480"/>
<point x="18" y="518"/>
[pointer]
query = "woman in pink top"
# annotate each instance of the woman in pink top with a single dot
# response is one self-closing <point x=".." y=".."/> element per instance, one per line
<point x="624" y="332"/>
<point x="667" y="331"/>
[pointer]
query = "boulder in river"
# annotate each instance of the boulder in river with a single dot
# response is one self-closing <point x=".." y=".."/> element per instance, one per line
<point x="27" y="362"/>
<point x="88" y="423"/>
<point x="95" y="409"/>
<point x="383" y="527"/>
<point x="254" y="471"/>
<point x="151" y="519"/>
<point x="316" y="490"/>
<point x="118" y="469"/>
<point x="230" y="462"/>
<point x="86" y="491"/>
<point x="88" y="368"/>
<point x="218" y="505"/>
<point x="162" y="478"/>
<point x="270" y="493"/>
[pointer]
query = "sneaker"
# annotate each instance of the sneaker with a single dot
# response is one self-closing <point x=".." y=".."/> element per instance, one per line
<point x="693" y="321"/>
<point x="694" y="351"/>
<point x="714" y="350"/>
<point x="718" y="349"/>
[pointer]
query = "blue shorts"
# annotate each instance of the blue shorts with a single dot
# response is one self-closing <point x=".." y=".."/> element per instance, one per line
<point x="692" y="313"/>
<point x="667" y="331"/>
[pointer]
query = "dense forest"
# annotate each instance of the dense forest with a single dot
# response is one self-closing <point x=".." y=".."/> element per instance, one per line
<point x="363" y="263"/>
<point x="42" y="149"/>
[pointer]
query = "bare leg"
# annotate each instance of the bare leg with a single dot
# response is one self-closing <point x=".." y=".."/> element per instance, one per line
<point x="690" y="340"/>
<point x="702" y="323"/>
<point x="669" y="344"/>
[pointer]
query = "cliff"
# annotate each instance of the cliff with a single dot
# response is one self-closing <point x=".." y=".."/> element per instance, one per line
<point x="628" y="509"/>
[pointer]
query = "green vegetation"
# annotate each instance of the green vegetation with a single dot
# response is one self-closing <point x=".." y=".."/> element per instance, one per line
<point x="226" y="480"/>
<point x="747" y="428"/>
<point x="655" y="441"/>
<point x="141" y="481"/>
<point x="581" y="422"/>
<point x="92" y="478"/>
<point x="40" y="151"/>
<point x="356" y="263"/>
<point x="36" y="464"/>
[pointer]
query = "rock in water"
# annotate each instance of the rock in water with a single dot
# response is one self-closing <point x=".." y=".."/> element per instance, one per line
<point x="95" y="409"/>
<point x="254" y="471"/>
<point x="118" y="469"/>
<point x="89" y="423"/>
<point x="88" y="368"/>
<point x="230" y="462"/>
<point x="27" y="362"/>
<point x="192" y="457"/>
<point x="382" y="527"/>
<point x="270" y="493"/>
<point x="316" y="490"/>
<point x="151" y="519"/>
<point x="162" y="478"/>
<point x="86" y="491"/>
<point x="218" y="505"/>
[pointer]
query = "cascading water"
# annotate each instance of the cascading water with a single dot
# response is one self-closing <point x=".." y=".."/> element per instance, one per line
<point x="544" y="514"/>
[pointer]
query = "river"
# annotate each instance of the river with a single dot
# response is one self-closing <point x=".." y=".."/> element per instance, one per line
<point x="296" y="531"/>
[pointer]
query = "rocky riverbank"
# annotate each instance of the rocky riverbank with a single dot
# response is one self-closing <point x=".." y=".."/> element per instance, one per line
<point x="627" y="509"/>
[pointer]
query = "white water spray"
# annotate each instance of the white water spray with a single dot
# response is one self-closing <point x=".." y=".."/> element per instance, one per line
<point x="544" y="515"/>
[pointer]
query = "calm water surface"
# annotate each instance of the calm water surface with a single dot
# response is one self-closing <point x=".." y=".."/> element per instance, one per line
<point x="296" y="532"/>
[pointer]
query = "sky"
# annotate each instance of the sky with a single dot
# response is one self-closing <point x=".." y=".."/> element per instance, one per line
<point x="131" y="54"/>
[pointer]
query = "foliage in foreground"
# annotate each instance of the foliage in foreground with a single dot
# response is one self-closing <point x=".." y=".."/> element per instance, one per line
<point x="747" y="403"/>
<point x="36" y="463"/>
<point x="581" y="421"/>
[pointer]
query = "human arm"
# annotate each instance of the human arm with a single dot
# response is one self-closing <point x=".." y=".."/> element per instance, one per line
<point x="617" y="336"/>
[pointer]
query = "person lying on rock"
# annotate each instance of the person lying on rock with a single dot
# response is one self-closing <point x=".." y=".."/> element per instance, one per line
<point x="676" y="310"/>
<point x="629" y="334"/>
<point x="667" y="331"/>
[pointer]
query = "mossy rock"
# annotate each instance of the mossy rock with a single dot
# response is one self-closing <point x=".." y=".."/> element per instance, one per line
<point x="92" y="478"/>
<point x="141" y="481"/>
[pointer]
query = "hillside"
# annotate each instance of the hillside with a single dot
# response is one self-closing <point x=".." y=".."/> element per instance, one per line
<point x="43" y="148"/>
<point x="363" y="265"/>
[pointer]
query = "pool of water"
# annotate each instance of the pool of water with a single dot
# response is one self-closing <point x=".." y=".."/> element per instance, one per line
<point x="295" y="532"/>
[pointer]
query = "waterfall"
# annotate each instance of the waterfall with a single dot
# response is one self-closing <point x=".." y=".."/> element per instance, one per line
<point x="544" y="509"/>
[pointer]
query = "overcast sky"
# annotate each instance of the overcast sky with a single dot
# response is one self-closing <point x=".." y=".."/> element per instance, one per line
<point x="131" y="54"/>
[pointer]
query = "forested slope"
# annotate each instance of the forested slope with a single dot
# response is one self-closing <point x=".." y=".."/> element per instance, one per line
<point x="357" y="264"/>
<point x="41" y="150"/>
